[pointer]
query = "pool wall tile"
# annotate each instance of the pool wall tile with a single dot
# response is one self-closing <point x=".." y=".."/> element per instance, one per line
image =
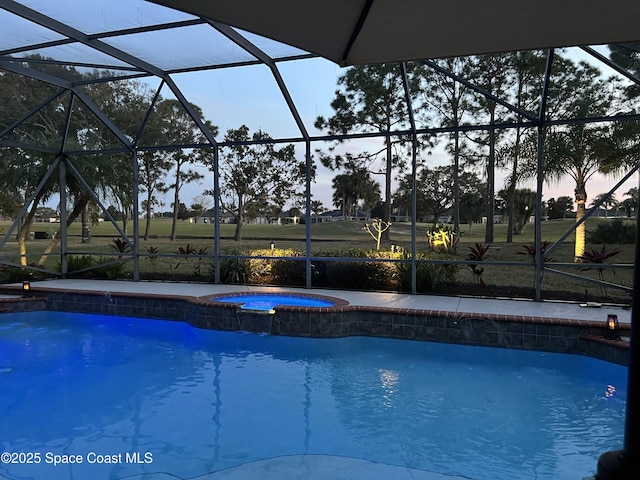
<point x="512" y="331"/>
<point x="24" y="304"/>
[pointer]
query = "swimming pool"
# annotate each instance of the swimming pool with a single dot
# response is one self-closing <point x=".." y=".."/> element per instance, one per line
<point x="194" y="401"/>
<point x="268" y="301"/>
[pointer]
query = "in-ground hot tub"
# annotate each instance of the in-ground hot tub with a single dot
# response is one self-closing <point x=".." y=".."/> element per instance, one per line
<point x="267" y="302"/>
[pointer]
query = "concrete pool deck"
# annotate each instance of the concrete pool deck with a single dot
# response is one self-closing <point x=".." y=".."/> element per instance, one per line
<point x="529" y="308"/>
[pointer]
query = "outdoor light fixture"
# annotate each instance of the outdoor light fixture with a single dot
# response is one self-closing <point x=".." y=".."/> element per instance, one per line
<point x="613" y="326"/>
<point x="272" y="245"/>
<point x="26" y="288"/>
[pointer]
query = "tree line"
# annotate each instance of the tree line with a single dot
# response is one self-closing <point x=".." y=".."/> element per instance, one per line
<point x="482" y="104"/>
<point x="498" y="94"/>
<point x="45" y="130"/>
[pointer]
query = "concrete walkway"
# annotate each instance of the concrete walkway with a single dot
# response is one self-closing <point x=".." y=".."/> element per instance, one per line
<point x="551" y="309"/>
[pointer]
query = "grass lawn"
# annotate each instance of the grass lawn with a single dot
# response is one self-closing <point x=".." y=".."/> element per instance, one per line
<point x="500" y="280"/>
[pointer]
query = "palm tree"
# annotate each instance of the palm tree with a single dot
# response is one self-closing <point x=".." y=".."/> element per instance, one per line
<point x="630" y="204"/>
<point x="607" y="202"/>
<point x="581" y="150"/>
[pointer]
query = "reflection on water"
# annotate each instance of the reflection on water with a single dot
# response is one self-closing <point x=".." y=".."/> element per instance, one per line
<point x="201" y="401"/>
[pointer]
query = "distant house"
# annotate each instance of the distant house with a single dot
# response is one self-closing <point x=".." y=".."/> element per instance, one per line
<point x="51" y="220"/>
<point x="292" y="217"/>
<point x="226" y="218"/>
<point x="258" y="220"/>
<point x="330" y="216"/>
<point x="207" y="217"/>
<point x="337" y="216"/>
<point x="498" y="217"/>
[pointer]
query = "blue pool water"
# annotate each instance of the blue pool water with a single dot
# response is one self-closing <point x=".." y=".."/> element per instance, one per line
<point x="270" y="301"/>
<point x="194" y="401"/>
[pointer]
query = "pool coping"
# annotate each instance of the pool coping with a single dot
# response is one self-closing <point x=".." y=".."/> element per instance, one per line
<point x="337" y="302"/>
<point x="563" y="335"/>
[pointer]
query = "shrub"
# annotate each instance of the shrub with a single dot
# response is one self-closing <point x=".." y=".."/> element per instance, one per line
<point x="443" y="239"/>
<point x="354" y="275"/>
<point x="233" y="270"/>
<point x="12" y="274"/>
<point x="429" y="276"/>
<point x="112" y="271"/>
<point x="262" y="268"/>
<point x="364" y="275"/>
<point x="77" y="262"/>
<point x="615" y="231"/>
<point x="289" y="272"/>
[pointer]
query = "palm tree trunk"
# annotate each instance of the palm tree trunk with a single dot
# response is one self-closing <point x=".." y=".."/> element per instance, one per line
<point x="581" y="200"/>
<point x="25" y="228"/>
<point x="75" y="213"/>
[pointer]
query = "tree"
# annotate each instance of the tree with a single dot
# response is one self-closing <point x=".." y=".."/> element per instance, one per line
<point x="371" y="98"/>
<point x="523" y="203"/>
<point x="558" y="208"/>
<point x="449" y="100"/>
<point x="581" y="150"/>
<point x="183" y="212"/>
<point x="317" y="208"/>
<point x="491" y="74"/>
<point x="177" y="127"/>
<point x="255" y="177"/>
<point x="471" y="207"/>
<point x="153" y="167"/>
<point x="608" y="201"/>
<point x="353" y="189"/>
<point x="436" y="190"/>
<point x="197" y="210"/>
<point x="114" y="212"/>
<point x="630" y="205"/>
<point x="630" y="60"/>
<point x="403" y="195"/>
<point x="632" y="194"/>
<point x="22" y="168"/>
<point x="204" y="200"/>
<point x="525" y="69"/>
<point x="376" y="229"/>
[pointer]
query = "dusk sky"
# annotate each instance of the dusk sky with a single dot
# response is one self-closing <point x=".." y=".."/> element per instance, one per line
<point x="228" y="97"/>
<point x="249" y="95"/>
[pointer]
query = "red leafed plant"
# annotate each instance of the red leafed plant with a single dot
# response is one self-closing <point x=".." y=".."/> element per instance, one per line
<point x="187" y="252"/>
<point x="531" y="251"/>
<point x="478" y="253"/>
<point x="598" y="256"/>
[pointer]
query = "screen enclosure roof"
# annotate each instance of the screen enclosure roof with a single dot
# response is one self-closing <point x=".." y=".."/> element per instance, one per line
<point x="351" y="32"/>
<point x="139" y="37"/>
